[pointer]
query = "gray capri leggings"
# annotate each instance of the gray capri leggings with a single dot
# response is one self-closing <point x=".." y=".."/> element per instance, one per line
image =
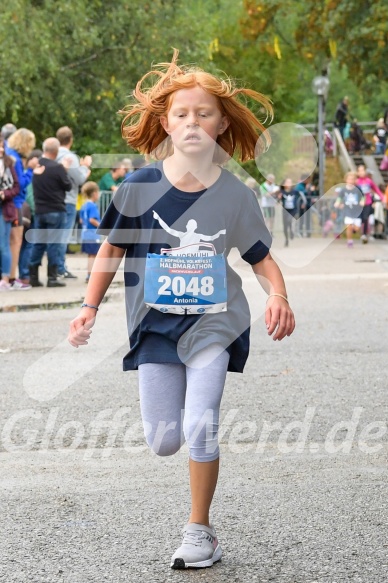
<point x="182" y="402"/>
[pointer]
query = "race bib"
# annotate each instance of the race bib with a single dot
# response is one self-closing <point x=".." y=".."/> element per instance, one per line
<point x="186" y="281"/>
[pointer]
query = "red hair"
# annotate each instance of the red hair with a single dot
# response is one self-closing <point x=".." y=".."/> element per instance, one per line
<point x="141" y="127"/>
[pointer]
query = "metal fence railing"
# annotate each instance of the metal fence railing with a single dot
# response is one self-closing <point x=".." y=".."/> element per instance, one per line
<point x="104" y="200"/>
<point x="103" y="203"/>
<point x="347" y="163"/>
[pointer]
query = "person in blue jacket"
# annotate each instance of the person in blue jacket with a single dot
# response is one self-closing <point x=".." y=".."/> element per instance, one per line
<point x="19" y="146"/>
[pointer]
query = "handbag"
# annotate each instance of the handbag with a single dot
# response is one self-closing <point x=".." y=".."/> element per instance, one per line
<point x="186" y="280"/>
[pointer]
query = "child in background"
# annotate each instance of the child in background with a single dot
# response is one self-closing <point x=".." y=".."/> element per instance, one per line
<point x="90" y="220"/>
<point x="386" y="210"/>
<point x="351" y="200"/>
<point x="269" y="194"/>
<point x="379" y="215"/>
<point x="192" y="122"/>
<point x="367" y="187"/>
<point x="290" y="199"/>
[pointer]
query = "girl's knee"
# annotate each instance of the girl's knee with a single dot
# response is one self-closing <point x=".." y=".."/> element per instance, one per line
<point x="165" y="448"/>
<point x="166" y="440"/>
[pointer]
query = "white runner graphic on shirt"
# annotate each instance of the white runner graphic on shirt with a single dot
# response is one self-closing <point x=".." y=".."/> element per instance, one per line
<point x="188" y="237"/>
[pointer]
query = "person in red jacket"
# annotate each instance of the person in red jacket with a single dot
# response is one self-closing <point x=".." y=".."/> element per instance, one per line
<point x="9" y="188"/>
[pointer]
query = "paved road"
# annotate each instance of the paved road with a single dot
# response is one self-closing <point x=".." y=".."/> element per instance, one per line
<point x="303" y="491"/>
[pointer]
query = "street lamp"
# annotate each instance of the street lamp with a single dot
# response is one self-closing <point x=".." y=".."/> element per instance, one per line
<point x="320" y="87"/>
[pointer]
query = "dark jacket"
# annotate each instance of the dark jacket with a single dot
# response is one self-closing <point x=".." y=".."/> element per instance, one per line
<point x="341" y="115"/>
<point x="7" y="205"/>
<point x="50" y="187"/>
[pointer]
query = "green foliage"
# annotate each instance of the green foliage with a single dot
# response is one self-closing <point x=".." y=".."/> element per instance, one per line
<point x="76" y="63"/>
<point x="279" y="46"/>
<point x="322" y="31"/>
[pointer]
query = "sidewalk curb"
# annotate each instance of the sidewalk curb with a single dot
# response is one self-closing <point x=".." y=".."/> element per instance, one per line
<point x="54" y="305"/>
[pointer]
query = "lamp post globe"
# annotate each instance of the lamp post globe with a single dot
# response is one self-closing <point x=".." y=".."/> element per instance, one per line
<point x="320" y="85"/>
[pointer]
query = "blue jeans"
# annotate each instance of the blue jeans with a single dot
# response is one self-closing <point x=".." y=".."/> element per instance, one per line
<point x="5" y="249"/>
<point x="25" y="255"/>
<point x="380" y="148"/>
<point x="50" y="237"/>
<point x="71" y="212"/>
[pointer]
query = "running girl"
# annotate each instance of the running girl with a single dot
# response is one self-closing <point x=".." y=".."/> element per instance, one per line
<point x="351" y="200"/>
<point x="191" y="122"/>
<point x="368" y="189"/>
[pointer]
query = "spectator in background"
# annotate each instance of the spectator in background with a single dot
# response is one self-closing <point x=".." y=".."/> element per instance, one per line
<point x="329" y="144"/>
<point x="357" y="139"/>
<point x="341" y="115"/>
<point x="9" y="188"/>
<point x="90" y="220"/>
<point x="28" y="212"/>
<point x="380" y="137"/>
<point x="290" y="198"/>
<point x="7" y="130"/>
<point x="346" y="134"/>
<point x="50" y="184"/>
<point x="385" y="118"/>
<point x="19" y="147"/>
<point x="112" y="179"/>
<point x="309" y="196"/>
<point x="367" y="187"/>
<point x="269" y="192"/>
<point x="128" y="167"/>
<point x="379" y="216"/>
<point x="78" y="172"/>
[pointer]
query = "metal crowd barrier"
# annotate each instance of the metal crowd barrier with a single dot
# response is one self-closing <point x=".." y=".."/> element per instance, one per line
<point x="103" y="203"/>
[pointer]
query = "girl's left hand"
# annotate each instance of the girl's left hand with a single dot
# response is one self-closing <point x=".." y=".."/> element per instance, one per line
<point x="279" y="317"/>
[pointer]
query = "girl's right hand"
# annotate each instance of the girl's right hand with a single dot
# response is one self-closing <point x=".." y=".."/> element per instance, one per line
<point x="80" y="327"/>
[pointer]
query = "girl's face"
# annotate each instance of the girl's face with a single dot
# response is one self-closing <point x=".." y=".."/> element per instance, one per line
<point x="351" y="180"/>
<point x="194" y="120"/>
<point x="361" y="171"/>
<point x="288" y="184"/>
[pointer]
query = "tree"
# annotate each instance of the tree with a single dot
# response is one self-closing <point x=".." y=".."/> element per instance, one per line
<point x="323" y="31"/>
<point x="79" y="68"/>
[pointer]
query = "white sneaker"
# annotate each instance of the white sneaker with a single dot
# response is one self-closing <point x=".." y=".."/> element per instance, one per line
<point x="199" y="548"/>
<point x="18" y="285"/>
<point x="4" y="286"/>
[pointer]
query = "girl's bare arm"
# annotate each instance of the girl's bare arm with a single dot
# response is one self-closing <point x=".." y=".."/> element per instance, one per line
<point x="105" y="266"/>
<point x="278" y="314"/>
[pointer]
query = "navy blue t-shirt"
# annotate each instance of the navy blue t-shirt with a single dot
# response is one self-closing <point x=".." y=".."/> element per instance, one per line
<point x="132" y="222"/>
<point x="290" y="199"/>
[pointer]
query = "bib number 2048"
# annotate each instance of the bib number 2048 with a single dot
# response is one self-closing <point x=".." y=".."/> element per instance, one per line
<point x="179" y="286"/>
